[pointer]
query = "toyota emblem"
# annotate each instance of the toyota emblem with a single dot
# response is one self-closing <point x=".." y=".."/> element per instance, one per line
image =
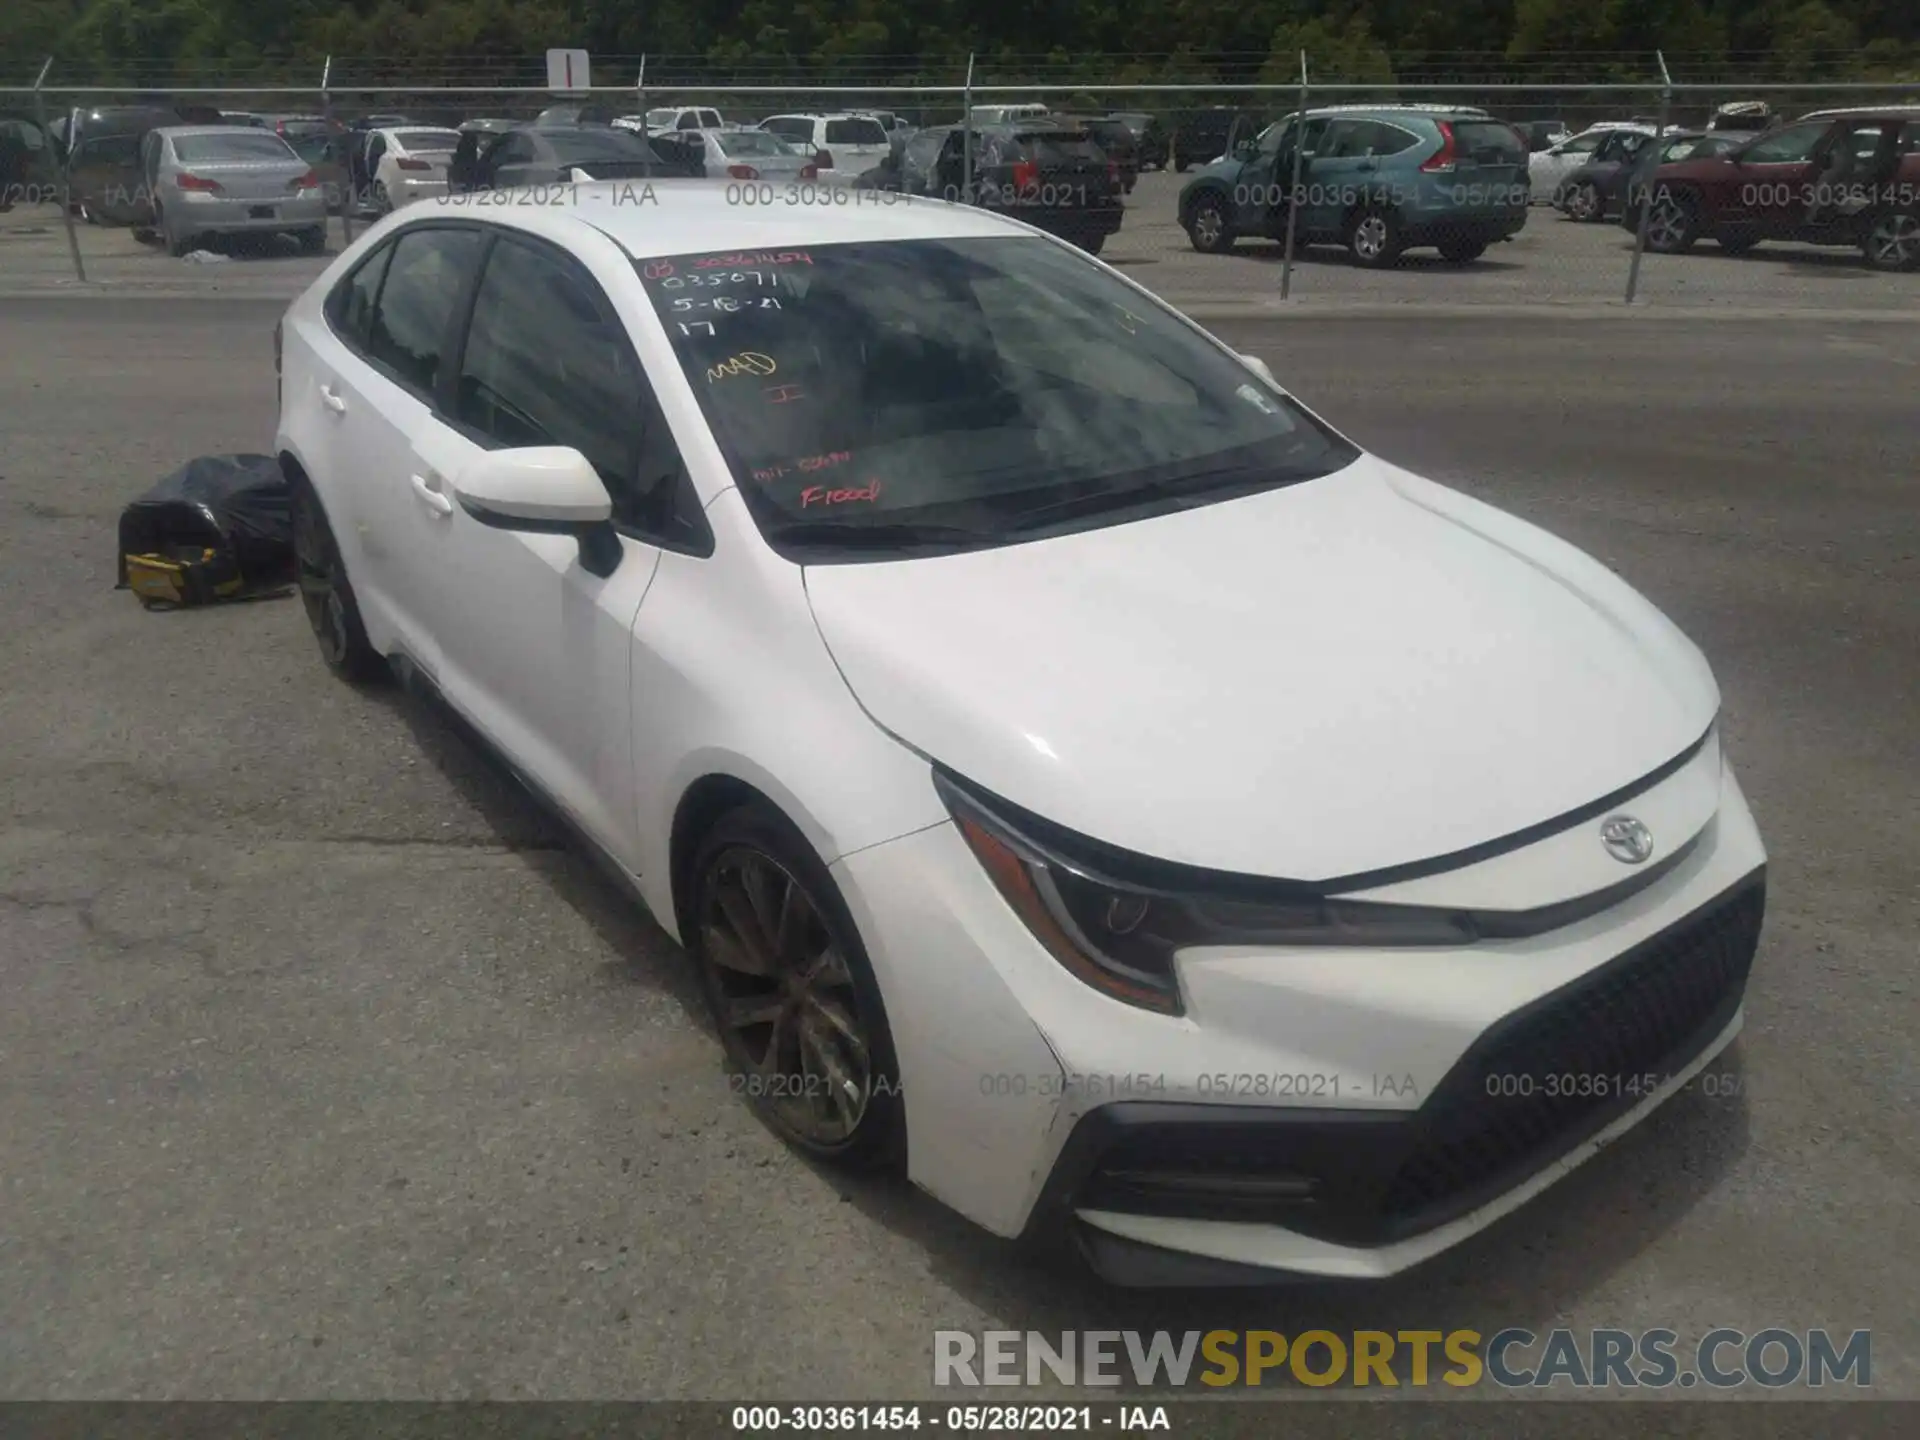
<point x="1626" y="839"/>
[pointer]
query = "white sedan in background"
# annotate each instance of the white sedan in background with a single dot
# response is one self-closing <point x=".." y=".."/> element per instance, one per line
<point x="756" y="155"/>
<point x="1548" y="169"/>
<point x="409" y="164"/>
<point x="1078" y="774"/>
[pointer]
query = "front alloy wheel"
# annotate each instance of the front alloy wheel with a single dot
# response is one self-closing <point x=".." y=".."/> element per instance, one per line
<point x="1893" y="242"/>
<point x="791" y="992"/>
<point x="1583" y="203"/>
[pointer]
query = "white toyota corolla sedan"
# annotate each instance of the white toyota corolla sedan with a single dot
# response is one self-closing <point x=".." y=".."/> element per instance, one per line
<point x="1080" y="776"/>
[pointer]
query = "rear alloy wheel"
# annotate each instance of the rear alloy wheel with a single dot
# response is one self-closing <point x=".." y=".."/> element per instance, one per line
<point x="1583" y="202"/>
<point x="1893" y="241"/>
<point x="1209" y="227"/>
<point x="790" y="989"/>
<point x="325" y="593"/>
<point x="1673" y="225"/>
<point x="1373" y="238"/>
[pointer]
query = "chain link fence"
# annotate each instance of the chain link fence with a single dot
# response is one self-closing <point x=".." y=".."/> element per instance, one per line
<point x="1209" y="177"/>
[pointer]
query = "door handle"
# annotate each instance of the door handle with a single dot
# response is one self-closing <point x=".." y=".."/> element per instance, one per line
<point x="430" y="493"/>
<point x="332" y="401"/>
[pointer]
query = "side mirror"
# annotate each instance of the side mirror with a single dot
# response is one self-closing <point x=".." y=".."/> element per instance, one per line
<point x="1260" y="368"/>
<point x="544" y="490"/>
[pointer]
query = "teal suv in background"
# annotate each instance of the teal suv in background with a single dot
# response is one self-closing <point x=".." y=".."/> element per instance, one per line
<point x="1378" y="180"/>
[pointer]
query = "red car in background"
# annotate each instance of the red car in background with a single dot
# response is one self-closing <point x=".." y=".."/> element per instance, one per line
<point x="1847" y="178"/>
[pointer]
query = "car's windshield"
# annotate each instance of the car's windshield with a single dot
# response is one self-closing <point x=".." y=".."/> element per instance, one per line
<point x="236" y="145"/>
<point x="990" y="387"/>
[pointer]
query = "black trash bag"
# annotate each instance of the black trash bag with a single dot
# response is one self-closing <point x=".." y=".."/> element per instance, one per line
<point x="218" y="528"/>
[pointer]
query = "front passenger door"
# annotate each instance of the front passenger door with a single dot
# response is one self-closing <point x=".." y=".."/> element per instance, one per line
<point x="536" y="647"/>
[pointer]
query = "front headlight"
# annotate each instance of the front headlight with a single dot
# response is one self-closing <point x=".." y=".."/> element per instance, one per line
<point x="1121" y="935"/>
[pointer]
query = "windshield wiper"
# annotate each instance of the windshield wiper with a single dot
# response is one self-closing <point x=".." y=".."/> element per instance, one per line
<point x="1194" y="488"/>
<point x="880" y="535"/>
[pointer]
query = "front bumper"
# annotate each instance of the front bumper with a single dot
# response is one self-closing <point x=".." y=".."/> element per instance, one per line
<point x="1035" y="1104"/>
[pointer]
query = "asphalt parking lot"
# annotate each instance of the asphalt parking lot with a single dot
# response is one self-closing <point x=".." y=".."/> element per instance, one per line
<point x="1553" y="261"/>
<point x="327" y="1069"/>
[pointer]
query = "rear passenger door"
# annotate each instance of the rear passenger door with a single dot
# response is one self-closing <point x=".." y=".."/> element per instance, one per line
<point x="379" y="395"/>
<point x="536" y="649"/>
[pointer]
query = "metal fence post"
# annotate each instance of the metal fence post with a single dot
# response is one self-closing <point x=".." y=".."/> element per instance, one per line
<point x="1293" y="185"/>
<point x="646" y="134"/>
<point x="966" y="136"/>
<point x="1646" y="190"/>
<point x="66" y="168"/>
<point x="326" y="114"/>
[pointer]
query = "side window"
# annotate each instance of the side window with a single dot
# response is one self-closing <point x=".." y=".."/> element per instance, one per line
<point x="687" y="121"/>
<point x="423" y="284"/>
<point x="1315" y="136"/>
<point x="1792" y="144"/>
<point x="375" y="150"/>
<point x="1346" y="139"/>
<point x="710" y="119"/>
<point x="547" y="362"/>
<point x="350" y="307"/>
<point x="1910" y="138"/>
<point x="1385" y="139"/>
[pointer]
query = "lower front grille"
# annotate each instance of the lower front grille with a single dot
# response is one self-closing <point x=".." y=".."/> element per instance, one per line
<point x="1536" y="1086"/>
<point x="1591" y="1050"/>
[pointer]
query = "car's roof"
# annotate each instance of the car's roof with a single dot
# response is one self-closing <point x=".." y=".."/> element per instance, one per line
<point x="1892" y="112"/>
<point x="1408" y="108"/>
<point x="677" y="217"/>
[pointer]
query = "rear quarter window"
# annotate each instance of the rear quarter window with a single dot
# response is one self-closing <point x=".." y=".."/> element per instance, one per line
<point x="1489" y="142"/>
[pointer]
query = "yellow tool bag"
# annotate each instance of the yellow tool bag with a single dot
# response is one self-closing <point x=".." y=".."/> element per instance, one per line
<point x="218" y="528"/>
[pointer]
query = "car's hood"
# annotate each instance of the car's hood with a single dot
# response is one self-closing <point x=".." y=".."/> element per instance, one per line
<point x="1321" y="681"/>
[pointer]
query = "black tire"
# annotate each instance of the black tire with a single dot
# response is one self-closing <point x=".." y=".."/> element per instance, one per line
<point x="313" y="240"/>
<point x="758" y="893"/>
<point x="1374" y="239"/>
<point x="1209" y="225"/>
<point x="1673" y="228"/>
<point x="1179" y="166"/>
<point x="1892" y="242"/>
<point x="1582" y="202"/>
<point x="1095" y="245"/>
<point x="333" y="612"/>
<point x="1462" y="252"/>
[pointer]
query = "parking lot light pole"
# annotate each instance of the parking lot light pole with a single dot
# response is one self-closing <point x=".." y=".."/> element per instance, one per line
<point x="1646" y="190"/>
<point x="1293" y="184"/>
<point x="66" y="168"/>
